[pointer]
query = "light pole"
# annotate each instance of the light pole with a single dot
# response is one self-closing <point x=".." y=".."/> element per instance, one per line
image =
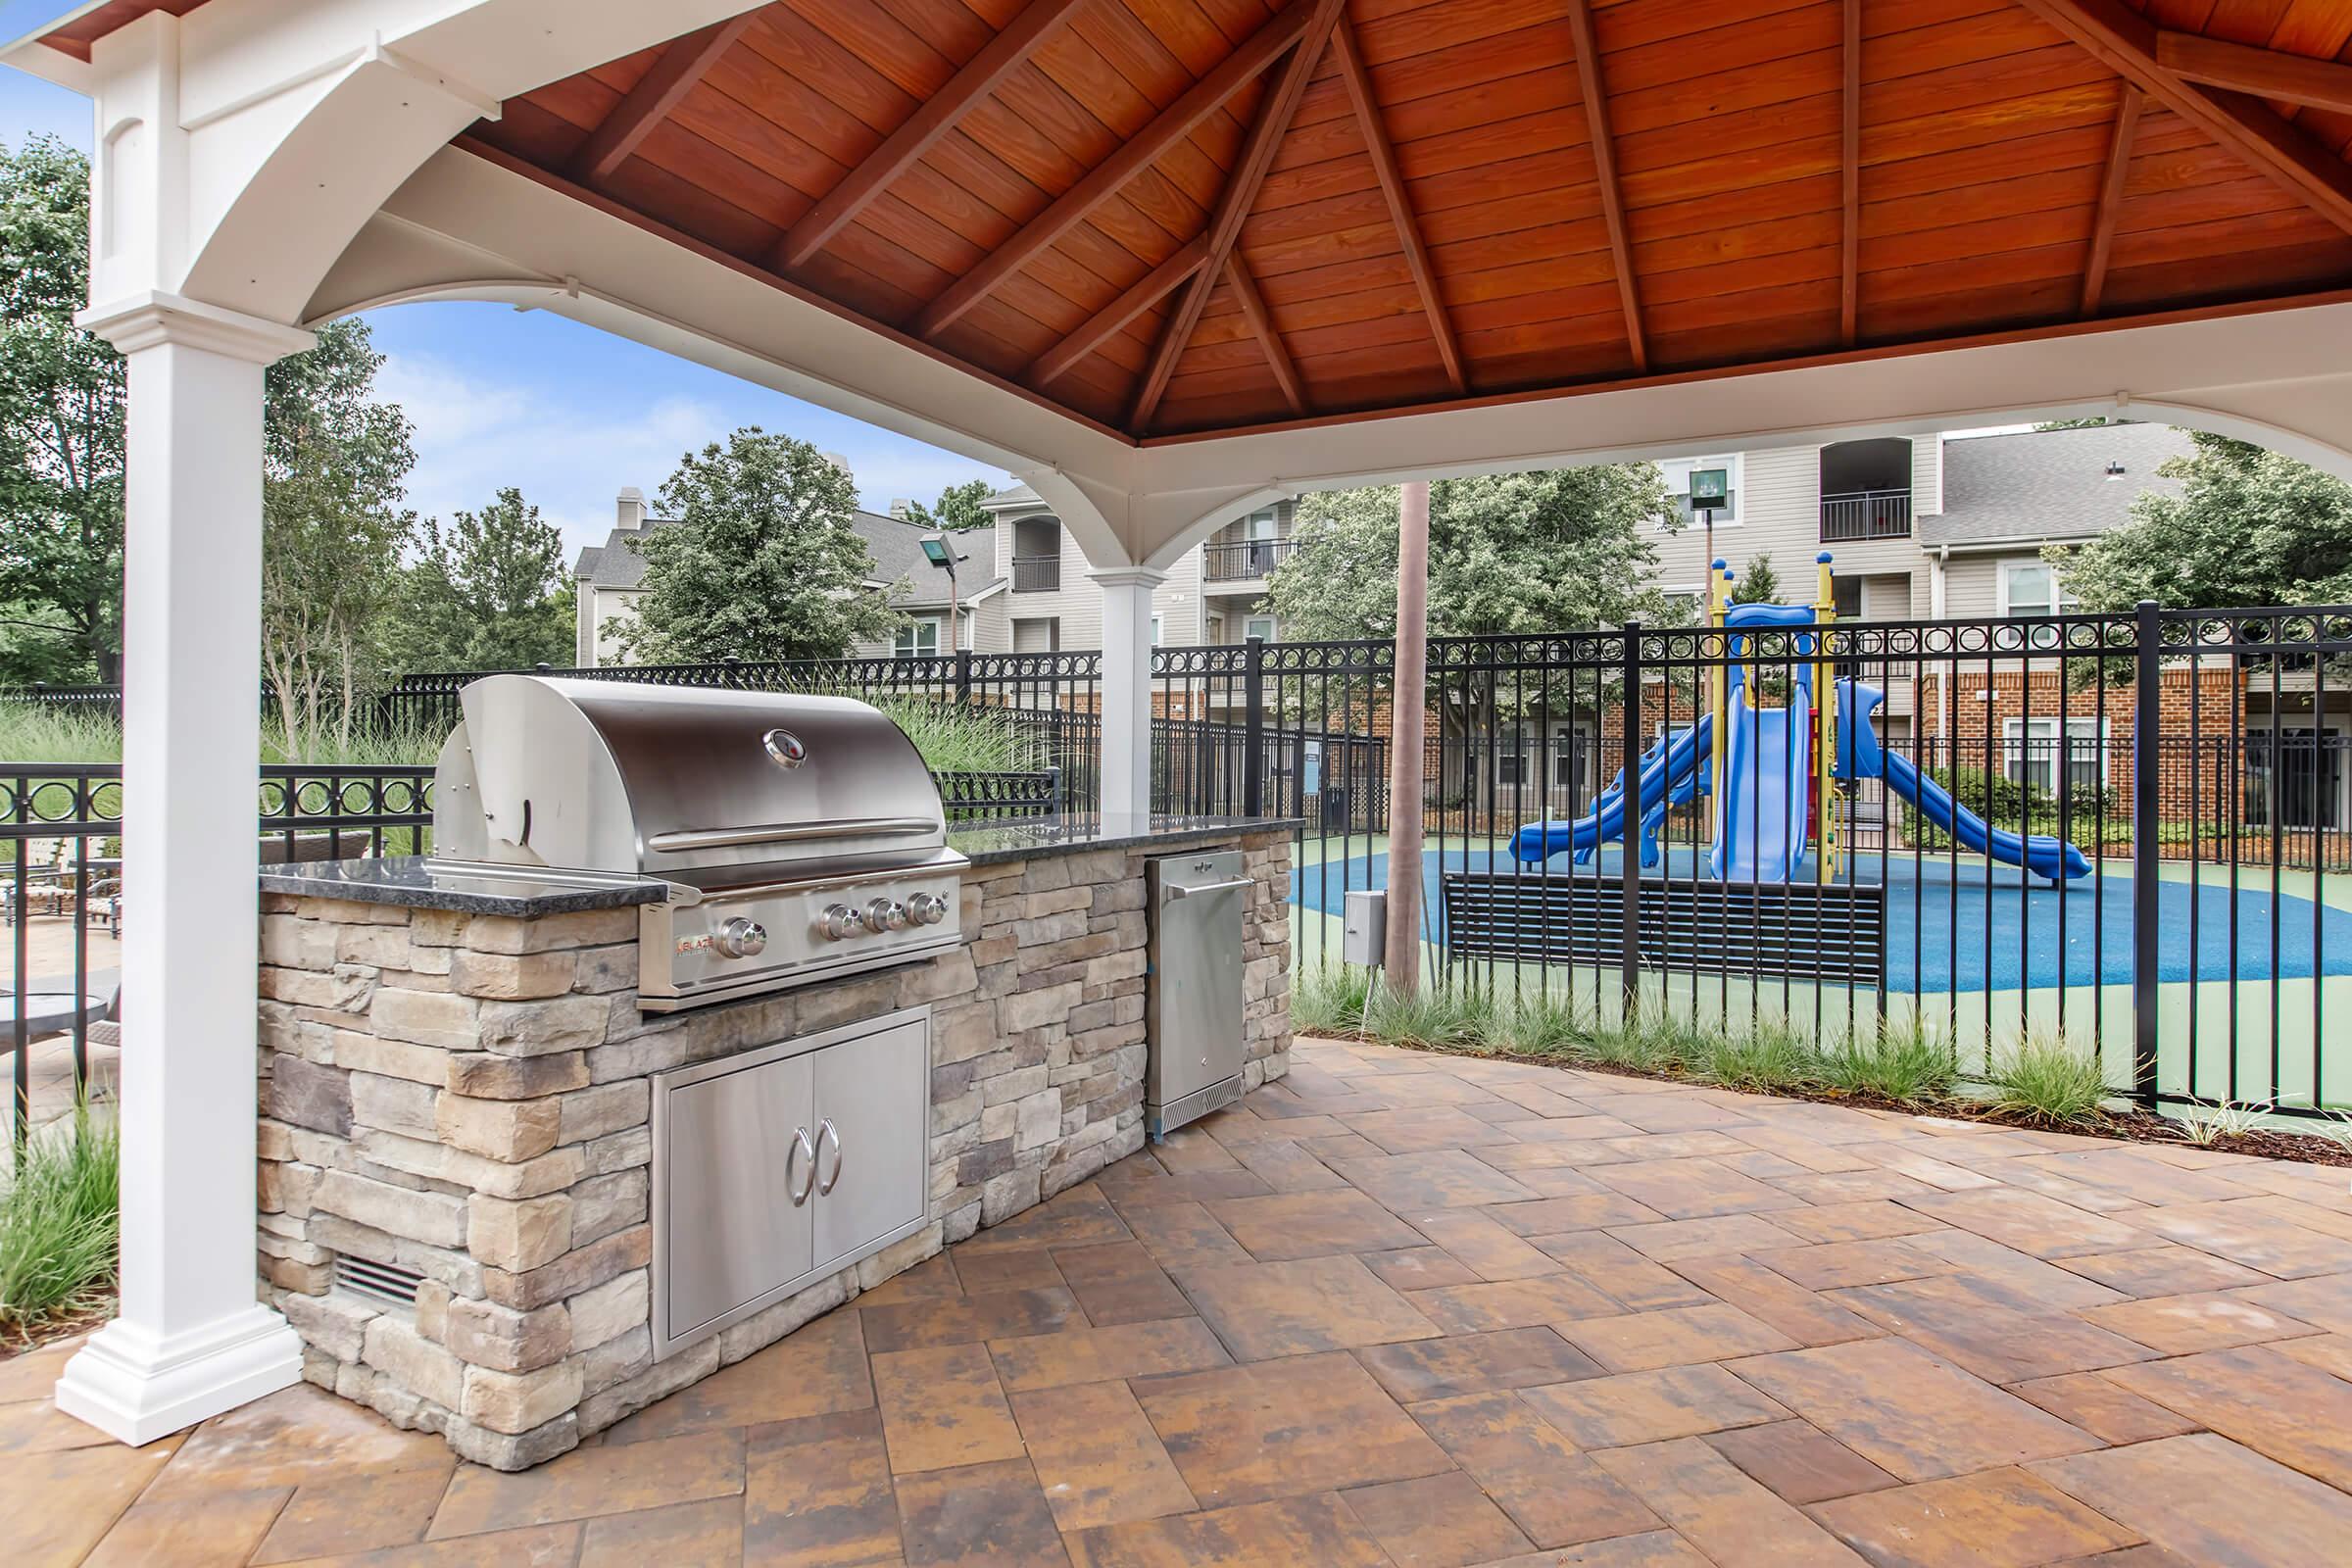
<point x="939" y="553"/>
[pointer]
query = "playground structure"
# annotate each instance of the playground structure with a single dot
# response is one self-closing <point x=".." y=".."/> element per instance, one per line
<point x="1775" y="776"/>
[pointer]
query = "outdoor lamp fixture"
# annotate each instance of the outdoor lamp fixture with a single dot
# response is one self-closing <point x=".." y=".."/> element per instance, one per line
<point x="940" y="554"/>
<point x="2115" y="470"/>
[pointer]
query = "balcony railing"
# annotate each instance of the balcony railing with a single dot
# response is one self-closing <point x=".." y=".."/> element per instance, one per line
<point x="1866" y="514"/>
<point x="1035" y="574"/>
<point x="1245" y="561"/>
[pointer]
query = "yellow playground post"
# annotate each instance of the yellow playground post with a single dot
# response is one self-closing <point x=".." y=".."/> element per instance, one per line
<point x="1825" y="710"/>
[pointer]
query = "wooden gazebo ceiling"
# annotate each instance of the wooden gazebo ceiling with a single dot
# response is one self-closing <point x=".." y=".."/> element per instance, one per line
<point x="1178" y="216"/>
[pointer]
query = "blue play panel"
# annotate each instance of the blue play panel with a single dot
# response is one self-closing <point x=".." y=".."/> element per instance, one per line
<point x="1963" y="928"/>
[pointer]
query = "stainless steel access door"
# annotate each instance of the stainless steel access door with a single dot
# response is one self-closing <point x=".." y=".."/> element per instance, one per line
<point x="740" y="1161"/>
<point x="1192" y="1000"/>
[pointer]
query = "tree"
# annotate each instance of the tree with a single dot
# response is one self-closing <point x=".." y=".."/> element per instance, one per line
<point x="1758" y="583"/>
<point x="1558" y="551"/>
<point x="2248" y="528"/>
<point x="333" y="466"/>
<point x="958" y="509"/>
<point x="490" y="592"/>
<point x="761" y="563"/>
<point x="61" y="427"/>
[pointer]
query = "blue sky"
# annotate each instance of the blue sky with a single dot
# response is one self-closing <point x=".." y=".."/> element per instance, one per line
<point x="569" y="414"/>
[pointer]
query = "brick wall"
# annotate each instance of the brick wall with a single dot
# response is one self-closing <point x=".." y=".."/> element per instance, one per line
<point x="466" y="1097"/>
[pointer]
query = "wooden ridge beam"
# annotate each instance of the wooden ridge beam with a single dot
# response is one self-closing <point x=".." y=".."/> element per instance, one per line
<point x="1254" y="312"/>
<point x="2264" y="72"/>
<point x="1241" y="181"/>
<point x="1604" y="167"/>
<point x="1155" y="286"/>
<point x="1359" y="83"/>
<point x="684" y="63"/>
<point x="1849" y="242"/>
<point x="933" y="119"/>
<point x="1099" y="183"/>
<point x="2127" y="42"/>
<point x="2111" y="198"/>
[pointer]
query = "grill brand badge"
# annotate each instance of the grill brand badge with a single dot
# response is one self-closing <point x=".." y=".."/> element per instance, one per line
<point x="784" y="748"/>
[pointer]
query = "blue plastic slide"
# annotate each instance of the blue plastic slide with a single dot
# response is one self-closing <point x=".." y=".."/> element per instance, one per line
<point x="1680" y="764"/>
<point x="2039" y="853"/>
<point x="1861" y="756"/>
<point x="1765" y="816"/>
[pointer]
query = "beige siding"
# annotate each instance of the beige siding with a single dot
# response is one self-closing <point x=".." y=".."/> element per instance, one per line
<point x="1927" y="476"/>
<point x="1973" y="583"/>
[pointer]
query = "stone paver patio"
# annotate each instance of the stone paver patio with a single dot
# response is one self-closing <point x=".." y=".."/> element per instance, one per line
<point x="1420" y="1310"/>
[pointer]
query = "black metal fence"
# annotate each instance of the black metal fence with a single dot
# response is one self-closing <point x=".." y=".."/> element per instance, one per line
<point x="2186" y="774"/>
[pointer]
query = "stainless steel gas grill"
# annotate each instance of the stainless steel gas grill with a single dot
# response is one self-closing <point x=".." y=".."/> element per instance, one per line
<point x="801" y="837"/>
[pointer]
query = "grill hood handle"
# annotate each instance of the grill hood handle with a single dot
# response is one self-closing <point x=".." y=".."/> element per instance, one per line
<point x="687" y="840"/>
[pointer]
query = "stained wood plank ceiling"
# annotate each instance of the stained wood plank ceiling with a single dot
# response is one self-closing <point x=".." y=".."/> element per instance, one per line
<point x="1185" y="216"/>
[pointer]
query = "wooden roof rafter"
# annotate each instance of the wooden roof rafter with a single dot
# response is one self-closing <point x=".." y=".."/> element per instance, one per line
<point x="2127" y="43"/>
<point x="1104" y="180"/>
<point x="1242" y="181"/>
<point x="986" y="70"/>
<point x="684" y="64"/>
<point x="1604" y="166"/>
<point x="2110" y="198"/>
<point x="1099" y="328"/>
<point x="1359" y="83"/>
<point x="1262" y="327"/>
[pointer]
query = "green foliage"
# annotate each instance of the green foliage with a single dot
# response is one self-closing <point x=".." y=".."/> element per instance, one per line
<point x="1772" y="1056"/>
<point x="1758" y="583"/>
<point x="34" y="732"/>
<point x="58" y="1224"/>
<point x="1507" y="552"/>
<point x="958" y="509"/>
<point x="1546" y="1024"/>
<point x="489" y="592"/>
<point x="332" y="532"/>
<point x="1433" y="1015"/>
<point x="962" y="739"/>
<point x="1903" y="1064"/>
<point x="2048" y="1080"/>
<point x="2249" y="527"/>
<point x="1329" y="1000"/>
<point x="763" y="562"/>
<point x="2080" y="424"/>
<point x="61" y="428"/>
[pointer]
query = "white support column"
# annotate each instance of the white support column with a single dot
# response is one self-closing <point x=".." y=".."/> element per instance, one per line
<point x="190" y="1340"/>
<point x="1127" y="686"/>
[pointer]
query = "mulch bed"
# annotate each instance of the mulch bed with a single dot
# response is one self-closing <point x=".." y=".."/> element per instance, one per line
<point x="48" y="1331"/>
<point x="2123" y="1126"/>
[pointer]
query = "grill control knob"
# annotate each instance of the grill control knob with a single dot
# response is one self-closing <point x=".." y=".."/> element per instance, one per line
<point x="885" y="915"/>
<point x="741" y="939"/>
<point x="839" y="922"/>
<point x="926" y="908"/>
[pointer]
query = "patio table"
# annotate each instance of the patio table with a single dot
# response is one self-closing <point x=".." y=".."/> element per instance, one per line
<point x="48" y="1013"/>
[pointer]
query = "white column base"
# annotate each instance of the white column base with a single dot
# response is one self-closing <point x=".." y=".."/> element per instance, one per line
<point x="137" y="1388"/>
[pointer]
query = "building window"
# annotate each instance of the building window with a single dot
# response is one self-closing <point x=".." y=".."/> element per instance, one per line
<point x="1260" y="626"/>
<point x="1677" y="486"/>
<point x="1156" y="628"/>
<point x="917" y="639"/>
<point x="2032" y="752"/>
<point x="2032" y="588"/>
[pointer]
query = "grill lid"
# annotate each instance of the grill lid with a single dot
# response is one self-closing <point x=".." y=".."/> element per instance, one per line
<point x="686" y="783"/>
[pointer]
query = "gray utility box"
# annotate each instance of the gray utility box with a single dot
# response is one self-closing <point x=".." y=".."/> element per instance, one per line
<point x="1193" y="995"/>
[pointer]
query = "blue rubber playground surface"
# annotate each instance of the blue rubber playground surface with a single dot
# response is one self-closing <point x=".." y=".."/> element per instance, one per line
<point x="1967" y="928"/>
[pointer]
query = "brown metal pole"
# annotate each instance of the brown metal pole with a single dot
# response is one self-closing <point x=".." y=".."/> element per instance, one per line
<point x="1406" y="703"/>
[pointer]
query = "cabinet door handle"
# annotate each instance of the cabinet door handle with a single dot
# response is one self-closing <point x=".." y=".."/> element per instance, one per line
<point x="824" y="1186"/>
<point x="800" y="1141"/>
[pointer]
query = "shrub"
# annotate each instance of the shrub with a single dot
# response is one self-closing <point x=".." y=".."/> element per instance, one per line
<point x="1900" y="1064"/>
<point x="2050" y="1081"/>
<point x="1433" y="1015"/>
<point x="1769" y="1058"/>
<point x="1329" y="1000"/>
<point x="1544" y="1024"/>
<point x="58" y="1224"/>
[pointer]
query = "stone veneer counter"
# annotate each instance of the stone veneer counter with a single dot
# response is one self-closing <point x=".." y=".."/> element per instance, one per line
<point x="457" y="1086"/>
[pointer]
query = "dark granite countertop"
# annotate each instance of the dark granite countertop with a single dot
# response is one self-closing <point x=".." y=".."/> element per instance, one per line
<point x="1026" y="838"/>
<point x="417" y="882"/>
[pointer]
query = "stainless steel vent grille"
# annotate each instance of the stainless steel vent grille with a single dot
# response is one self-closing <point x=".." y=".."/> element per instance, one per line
<point x="382" y="1282"/>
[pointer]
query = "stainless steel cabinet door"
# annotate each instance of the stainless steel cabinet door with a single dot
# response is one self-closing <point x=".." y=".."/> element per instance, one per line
<point x="734" y="1231"/>
<point x="873" y="1118"/>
